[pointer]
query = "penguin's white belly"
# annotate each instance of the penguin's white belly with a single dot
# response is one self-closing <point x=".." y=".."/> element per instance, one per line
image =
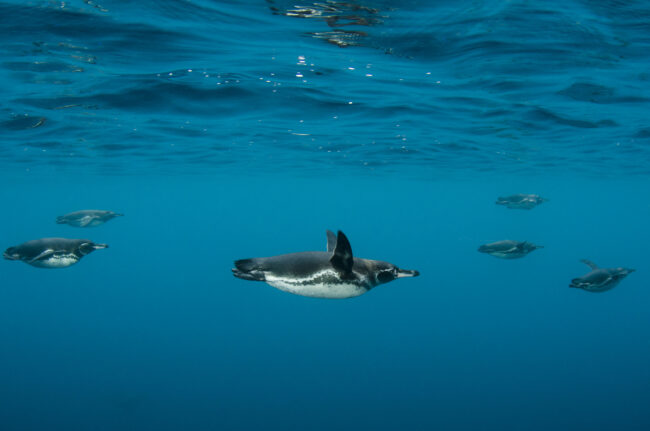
<point x="316" y="286"/>
<point x="602" y="287"/>
<point x="86" y="221"/>
<point x="506" y="255"/>
<point x="56" y="261"/>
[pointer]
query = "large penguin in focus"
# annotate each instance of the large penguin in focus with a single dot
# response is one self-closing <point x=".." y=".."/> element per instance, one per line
<point x="334" y="274"/>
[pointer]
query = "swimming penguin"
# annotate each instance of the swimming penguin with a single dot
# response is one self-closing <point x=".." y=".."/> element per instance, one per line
<point x="52" y="252"/>
<point x="319" y="274"/>
<point x="87" y="218"/>
<point x="509" y="249"/>
<point x="600" y="279"/>
<point x="521" y="201"/>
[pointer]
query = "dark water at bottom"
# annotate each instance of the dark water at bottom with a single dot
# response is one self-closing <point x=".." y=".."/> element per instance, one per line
<point x="154" y="333"/>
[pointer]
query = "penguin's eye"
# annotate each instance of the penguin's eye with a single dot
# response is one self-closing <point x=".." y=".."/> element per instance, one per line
<point x="86" y="248"/>
<point x="386" y="276"/>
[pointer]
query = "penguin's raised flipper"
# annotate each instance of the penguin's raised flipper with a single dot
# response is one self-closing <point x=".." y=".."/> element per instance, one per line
<point x="331" y="241"/>
<point x="342" y="259"/>
<point x="589" y="263"/>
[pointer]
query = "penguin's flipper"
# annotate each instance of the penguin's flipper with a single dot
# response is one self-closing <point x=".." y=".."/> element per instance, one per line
<point x="514" y="249"/>
<point x="589" y="263"/>
<point x="342" y="259"/>
<point x="85" y="220"/>
<point x="43" y="255"/>
<point x="331" y="241"/>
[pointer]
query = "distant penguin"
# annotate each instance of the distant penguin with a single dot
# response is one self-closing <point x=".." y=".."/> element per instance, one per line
<point x="52" y="252"/>
<point x="521" y="201"/>
<point x="87" y="218"/>
<point x="332" y="274"/>
<point x="509" y="249"/>
<point x="600" y="279"/>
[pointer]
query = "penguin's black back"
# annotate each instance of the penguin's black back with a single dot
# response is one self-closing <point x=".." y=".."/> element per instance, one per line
<point x="300" y="264"/>
<point x="35" y="247"/>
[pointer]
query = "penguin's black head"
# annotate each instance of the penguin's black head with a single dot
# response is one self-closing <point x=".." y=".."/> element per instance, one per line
<point x="386" y="272"/>
<point x="527" y="247"/>
<point x="89" y="246"/>
<point x="621" y="273"/>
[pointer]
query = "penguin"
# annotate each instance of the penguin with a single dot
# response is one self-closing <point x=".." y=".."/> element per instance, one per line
<point x="521" y="201"/>
<point x="87" y="218"/>
<point x="333" y="274"/>
<point x="600" y="279"/>
<point x="509" y="249"/>
<point x="52" y="252"/>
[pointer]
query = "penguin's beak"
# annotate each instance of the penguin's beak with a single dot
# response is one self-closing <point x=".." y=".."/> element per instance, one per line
<point x="407" y="273"/>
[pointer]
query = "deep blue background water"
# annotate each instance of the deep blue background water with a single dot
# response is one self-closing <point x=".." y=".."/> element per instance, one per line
<point x="227" y="130"/>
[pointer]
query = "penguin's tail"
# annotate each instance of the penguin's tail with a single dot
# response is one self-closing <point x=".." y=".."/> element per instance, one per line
<point x="247" y="269"/>
<point x="576" y="282"/>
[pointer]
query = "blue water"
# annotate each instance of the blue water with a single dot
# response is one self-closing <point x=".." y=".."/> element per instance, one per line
<point x="227" y="130"/>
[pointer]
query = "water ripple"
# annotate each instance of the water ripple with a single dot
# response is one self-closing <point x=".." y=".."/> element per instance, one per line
<point x="252" y="86"/>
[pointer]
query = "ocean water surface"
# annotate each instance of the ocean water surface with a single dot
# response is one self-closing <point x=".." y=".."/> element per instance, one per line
<point x="235" y="129"/>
